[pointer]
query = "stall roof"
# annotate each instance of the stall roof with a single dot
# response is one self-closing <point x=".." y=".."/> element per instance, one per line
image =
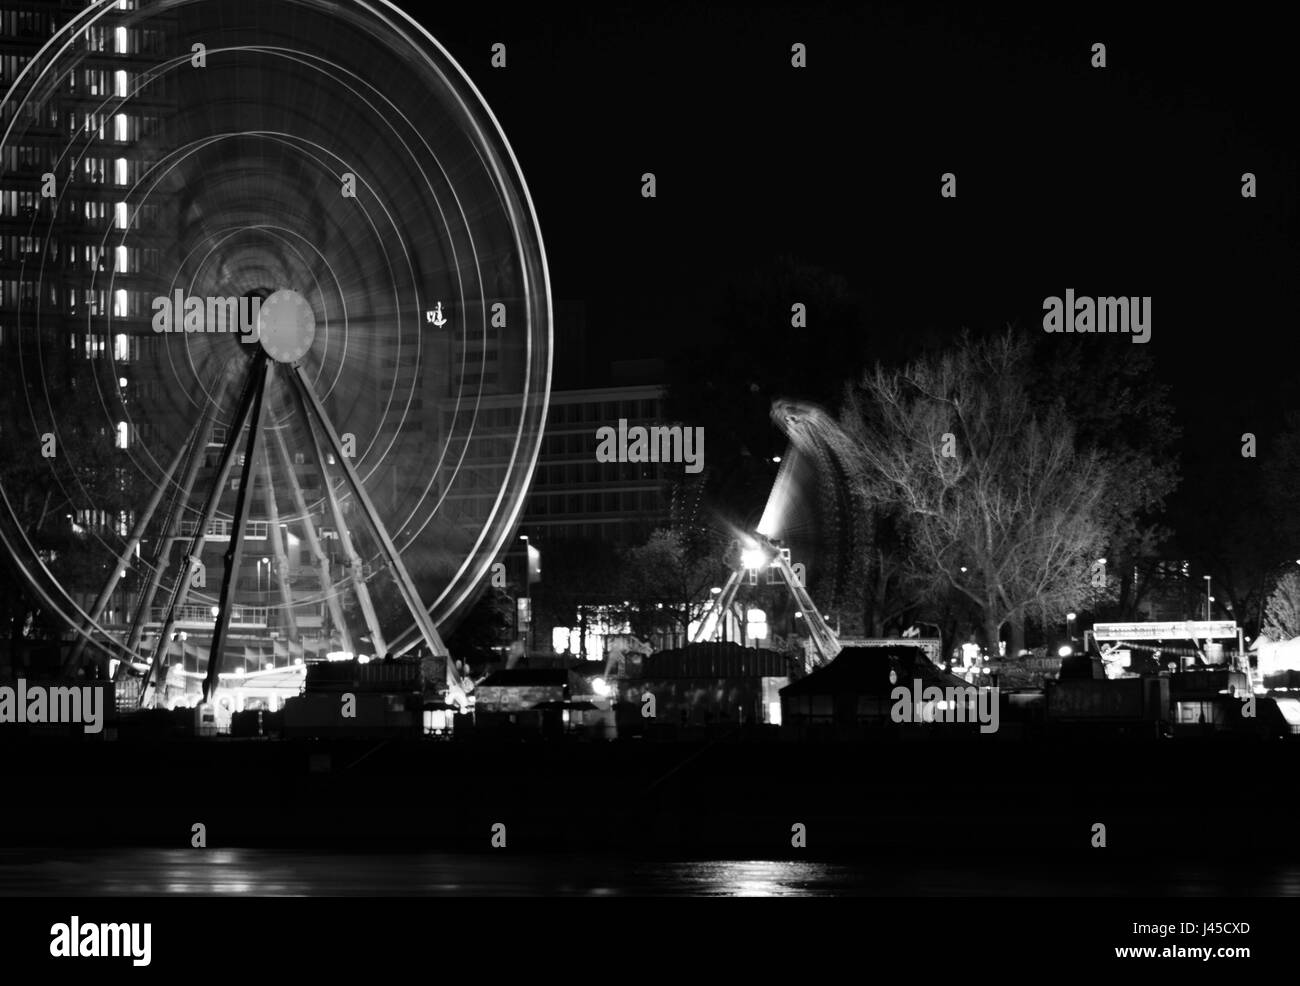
<point x="865" y="670"/>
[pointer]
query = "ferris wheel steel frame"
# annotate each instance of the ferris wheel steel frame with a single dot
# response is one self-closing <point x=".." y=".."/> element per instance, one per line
<point x="256" y="461"/>
<point x="160" y="533"/>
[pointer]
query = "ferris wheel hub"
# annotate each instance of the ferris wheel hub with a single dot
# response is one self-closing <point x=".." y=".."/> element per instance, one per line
<point x="287" y="326"/>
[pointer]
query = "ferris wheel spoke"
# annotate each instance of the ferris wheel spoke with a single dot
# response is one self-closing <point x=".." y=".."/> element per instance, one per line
<point x="73" y="660"/>
<point x="356" y="570"/>
<point x="243" y="503"/>
<point x="401" y="576"/>
<point x="277" y="547"/>
<point x="184" y="580"/>
<point x="314" y="545"/>
<point x="172" y="527"/>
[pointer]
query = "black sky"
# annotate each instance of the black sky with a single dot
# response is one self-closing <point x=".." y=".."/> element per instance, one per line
<point x="1124" y="180"/>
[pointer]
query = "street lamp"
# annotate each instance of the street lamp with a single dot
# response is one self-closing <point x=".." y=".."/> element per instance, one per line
<point x="1208" y="598"/>
<point x="528" y="594"/>
<point x="1069" y="625"/>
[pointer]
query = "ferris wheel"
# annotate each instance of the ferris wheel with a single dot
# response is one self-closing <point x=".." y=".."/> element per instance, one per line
<point x="278" y="355"/>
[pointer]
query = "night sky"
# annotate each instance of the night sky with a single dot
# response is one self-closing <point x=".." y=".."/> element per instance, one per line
<point x="1123" y="180"/>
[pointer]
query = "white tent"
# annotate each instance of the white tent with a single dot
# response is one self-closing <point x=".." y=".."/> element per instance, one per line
<point x="1277" y="655"/>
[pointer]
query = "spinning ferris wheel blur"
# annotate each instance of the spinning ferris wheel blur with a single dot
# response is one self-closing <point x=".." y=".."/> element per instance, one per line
<point x="278" y="353"/>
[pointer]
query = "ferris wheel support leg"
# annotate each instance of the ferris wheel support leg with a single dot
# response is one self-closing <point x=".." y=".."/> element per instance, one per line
<point x="243" y="505"/>
<point x="717" y="609"/>
<point x="401" y="576"/>
<point x="184" y="580"/>
<point x="162" y="558"/>
<point x="314" y="545"/>
<point x="277" y="546"/>
<point x="73" y="660"/>
<point x="824" y="639"/>
<point x="728" y="598"/>
<point x="356" y="570"/>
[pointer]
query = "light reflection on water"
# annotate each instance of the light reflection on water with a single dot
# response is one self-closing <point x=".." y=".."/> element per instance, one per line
<point x="272" y="873"/>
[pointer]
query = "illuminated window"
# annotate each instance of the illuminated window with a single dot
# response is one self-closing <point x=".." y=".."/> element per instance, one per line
<point x="123" y="433"/>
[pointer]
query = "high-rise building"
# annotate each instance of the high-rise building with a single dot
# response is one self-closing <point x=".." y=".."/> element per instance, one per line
<point x="576" y="497"/>
<point x="72" y="282"/>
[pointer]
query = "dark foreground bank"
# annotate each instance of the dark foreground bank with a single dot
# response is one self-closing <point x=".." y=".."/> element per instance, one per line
<point x="1223" y="799"/>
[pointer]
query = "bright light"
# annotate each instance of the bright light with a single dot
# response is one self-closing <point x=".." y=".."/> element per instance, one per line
<point x="267" y="666"/>
<point x="601" y="687"/>
<point x="755" y="616"/>
<point x="363" y="659"/>
<point x="1065" y="651"/>
<point x="123" y="433"/>
<point x="776" y="458"/>
<point x="963" y="568"/>
<point x="1070" y="616"/>
<point x="560" y="639"/>
<point x="753" y="558"/>
<point x="339" y="655"/>
<point x="216" y="610"/>
<point x="297" y="661"/>
<point x="121" y="381"/>
<point x="717" y="589"/>
<point x="239" y="670"/>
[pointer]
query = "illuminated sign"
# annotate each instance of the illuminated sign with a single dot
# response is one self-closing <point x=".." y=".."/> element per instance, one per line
<point x="1178" y="630"/>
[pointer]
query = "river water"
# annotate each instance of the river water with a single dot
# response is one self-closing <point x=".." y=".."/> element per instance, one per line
<point x="262" y="872"/>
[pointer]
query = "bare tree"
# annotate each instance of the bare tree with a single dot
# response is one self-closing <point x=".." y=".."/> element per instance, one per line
<point x="1000" y="506"/>
<point x="1282" y="611"/>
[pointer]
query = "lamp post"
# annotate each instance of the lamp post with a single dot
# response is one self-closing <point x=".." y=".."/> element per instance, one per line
<point x="1207" y="598"/>
<point x="528" y="595"/>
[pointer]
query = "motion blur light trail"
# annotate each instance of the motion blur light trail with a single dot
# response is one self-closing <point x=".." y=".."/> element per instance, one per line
<point x="815" y="487"/>
<point x="328" y="152"/>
